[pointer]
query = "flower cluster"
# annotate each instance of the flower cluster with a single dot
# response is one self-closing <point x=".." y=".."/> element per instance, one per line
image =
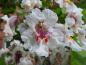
<point x="44" y="39"/>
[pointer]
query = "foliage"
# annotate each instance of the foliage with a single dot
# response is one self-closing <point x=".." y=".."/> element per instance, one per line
<point x="78" y="58"/>
<point x="84" y="15"/>
<point x="8" y="6"/>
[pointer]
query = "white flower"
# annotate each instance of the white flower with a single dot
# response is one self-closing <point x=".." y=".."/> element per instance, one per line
<point x="2" y="51"/>
<point x="69" y="21"/>
<point x="37" y="3"/>
<point x="16" y="42"/>
<point x="71" y="7"/>
<point x="25" y="61"/>
<point x="74" y="45"/>
<point x="5" y="17"/>
<point x="7" y="59"/>
<point x="28" y="5"/>
<point x="8" y="31"/>
<point x="26" y="2"/>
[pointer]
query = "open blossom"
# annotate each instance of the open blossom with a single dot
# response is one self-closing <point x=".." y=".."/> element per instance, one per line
<point x="39" y="22"/>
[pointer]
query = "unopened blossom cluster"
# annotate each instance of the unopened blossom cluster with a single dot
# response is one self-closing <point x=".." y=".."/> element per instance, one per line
<point x="43" y="35"/>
